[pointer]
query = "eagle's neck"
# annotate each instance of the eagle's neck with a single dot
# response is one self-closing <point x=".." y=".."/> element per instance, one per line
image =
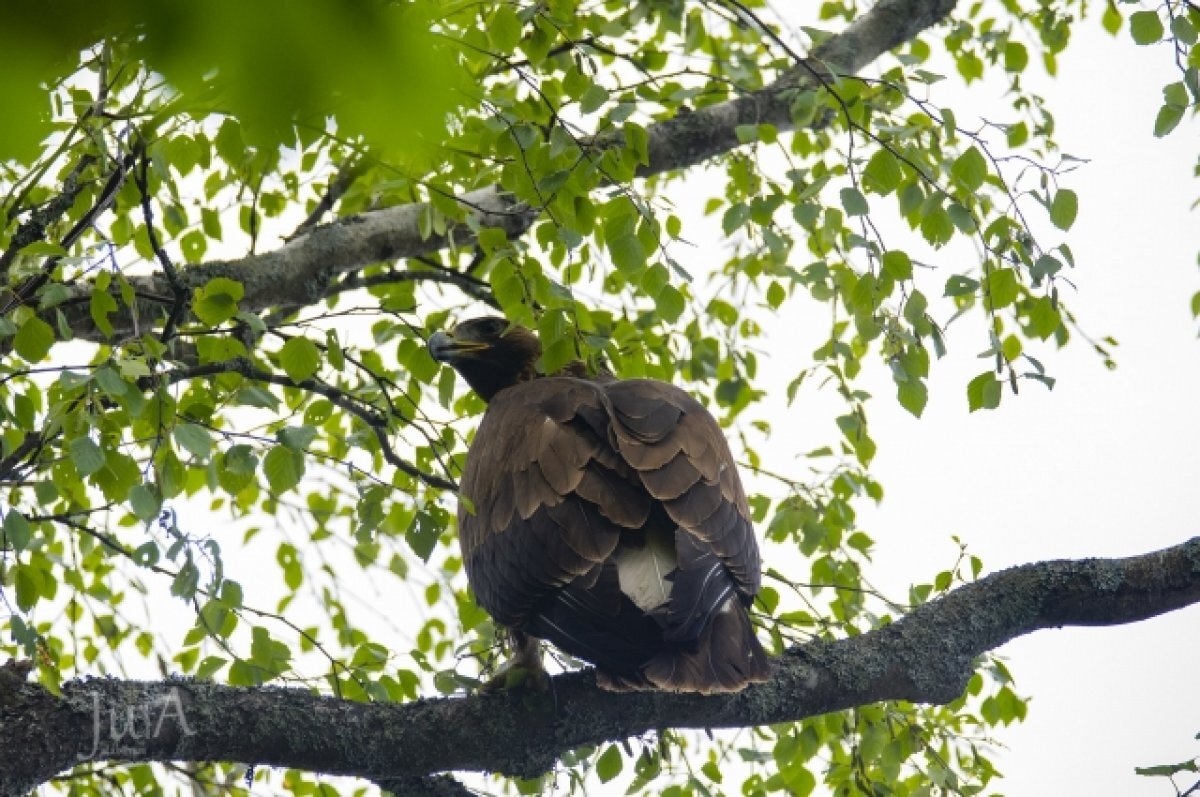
<point x="489" y="377"/>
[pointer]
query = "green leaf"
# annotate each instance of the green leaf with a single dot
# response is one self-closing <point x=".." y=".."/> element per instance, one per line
<point x="958" y="285"/>
<point x="882" y="173"/>
<point x="283" y="468"/>
<point x="670" y="303"/>
<point x="1064" y="208"/>
<point x="269" y="655"/>
<point x="970" y="169"/>
<point x="1176" y="94"/>
<point x="300" y="358"/>
<point x="209" y="666"/>
<point x="102" y="304"/>
<point x="913" y="395"/>
<point x="34" y="339"/>
<point x="87" y="456"/>
<point x="854" y="202"/>
<point x="1146" y="27"/>
<point x="118" y="476"/>
<point x="233" y="479"/>
<point x="915" y="307"/>
<point x="961" y="217"/>
<point x="592" y="99"/>
<point x="147" y="554"/>
<point x="194" y="439"/>
<point x="1111" y="18"/>
<point x="897" y="264"/>
<point x="297" y="438"/>
<point x="609" y="764"/>
<point x="333" y="349"/>
<point x="746" y="133"/>
<point x="17" y="530"/>
<point x="937" y="226"/>
<point x="737" y="215"/>
<point x="110" y="381"/>
<point x="240" y="460"/>
<point x="193" y="244"/>
<point x="970" y="66"/>
<point x="505" y="28"/>
<point x="1183" y="29"/>
<point x="776" y="294"/>
<point x="243" y="674"/>
<point x="144" y="502"/>
<point x="44" y="249"/>
<point x="216" y="301"/>
<point x="1044" y="319"/>
<point x="1001" y="286"/>
<point x="29" y="581"/>
<point x="425" y="530"/>
<point x="983" y="392"/>
<point x="1169" y="117"/>
<point x="1017" y="135"/>
<point x="627" y="253"/>
<point x="1167" y="770"/>
<point x="256" y="396"/>
<point x="1016" y="56"/>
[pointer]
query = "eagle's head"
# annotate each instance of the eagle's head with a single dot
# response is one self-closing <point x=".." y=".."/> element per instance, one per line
<point x="489" y="352"/>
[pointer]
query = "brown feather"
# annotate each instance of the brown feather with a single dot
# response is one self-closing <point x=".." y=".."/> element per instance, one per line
<point x="673" y="479"/>
<point x="608" y="518"/>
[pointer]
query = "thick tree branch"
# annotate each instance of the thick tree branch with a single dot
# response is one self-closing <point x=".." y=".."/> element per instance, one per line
<point x="472" y="286"/>
<point x="925" y="657"/>
<point x="301" y="272"/>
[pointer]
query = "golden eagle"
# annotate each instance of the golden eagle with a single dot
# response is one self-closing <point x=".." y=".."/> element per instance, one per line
<point x="605" y="516"/>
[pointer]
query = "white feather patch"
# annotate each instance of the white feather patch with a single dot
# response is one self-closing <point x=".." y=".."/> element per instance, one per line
<point x="642" y="572"/>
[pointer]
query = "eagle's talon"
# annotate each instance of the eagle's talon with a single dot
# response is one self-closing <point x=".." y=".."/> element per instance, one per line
<point x="523" y="671"/>
<point x="512" y="677"/>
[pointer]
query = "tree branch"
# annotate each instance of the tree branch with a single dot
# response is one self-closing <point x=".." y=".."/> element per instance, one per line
<point x="341" y="182"/>
<point x="178" y="292"/>
<point x="927" y="656"/>
<point x="472" y="286"/>
<point x="34" y="228"/>
<point x="301" y="271"/>
<point x="340" y="398"/>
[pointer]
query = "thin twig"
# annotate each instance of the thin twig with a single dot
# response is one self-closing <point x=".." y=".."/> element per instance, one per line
<point x="375" y="420"/>
<point x="341" y="182"/>
<point x="178" y="291"/>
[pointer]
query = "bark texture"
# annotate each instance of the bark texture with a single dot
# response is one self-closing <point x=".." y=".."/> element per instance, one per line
<point x="925" y="657"/>
<point x="298" y="273"/>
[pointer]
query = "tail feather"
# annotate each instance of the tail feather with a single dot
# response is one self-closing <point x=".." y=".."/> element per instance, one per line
<point x="726" y="657"/>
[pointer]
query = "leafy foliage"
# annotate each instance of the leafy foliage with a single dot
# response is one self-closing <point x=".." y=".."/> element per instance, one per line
<point x="273" y="475"/>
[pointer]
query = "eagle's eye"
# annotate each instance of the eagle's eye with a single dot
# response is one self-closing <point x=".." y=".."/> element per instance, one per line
<point x="494" y="327"/>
